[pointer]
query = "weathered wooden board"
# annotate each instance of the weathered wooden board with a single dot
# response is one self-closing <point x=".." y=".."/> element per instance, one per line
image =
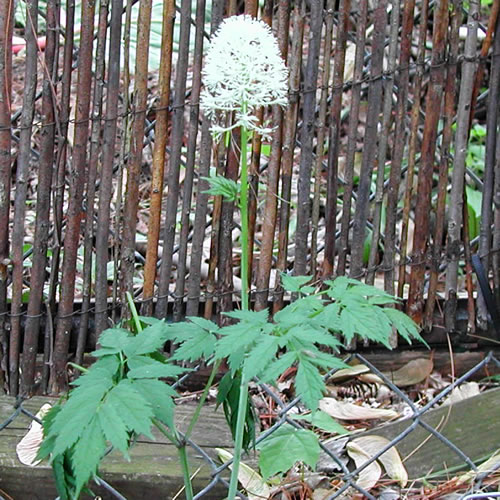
<point x="472" y="425"/>
<point x="153" y="472"/>
<point x="461" y="362"/>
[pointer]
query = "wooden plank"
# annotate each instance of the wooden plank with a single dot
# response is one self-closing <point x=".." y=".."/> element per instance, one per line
<point x="462" y="362"/>
<point x="153" y="471"/>
<point x="472" y="425"/>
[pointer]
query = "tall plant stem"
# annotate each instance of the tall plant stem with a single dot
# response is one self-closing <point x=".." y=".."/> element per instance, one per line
<point x="185" y="472"/>
<point x="197" y="412"/>
<point x="238" y="438"/>
<point x="242" y="403"/>
<point x="181" y="446"/>
<point x="244" y="219"/>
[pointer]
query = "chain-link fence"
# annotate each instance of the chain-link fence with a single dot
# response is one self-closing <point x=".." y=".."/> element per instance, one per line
<point x="345" y="482"/>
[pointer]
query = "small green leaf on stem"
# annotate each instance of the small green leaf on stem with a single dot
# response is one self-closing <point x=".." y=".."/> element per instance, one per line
<point x="222" y="186"/>
<point x="286" y="446"/>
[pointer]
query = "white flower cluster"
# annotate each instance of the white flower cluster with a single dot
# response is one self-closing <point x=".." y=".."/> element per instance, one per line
<point x="243" y="71"/>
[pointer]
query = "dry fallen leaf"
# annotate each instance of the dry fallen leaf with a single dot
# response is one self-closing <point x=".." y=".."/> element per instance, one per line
<point x="348" y="411"/>
<point x="463" y="391"/>
<point x="370" y="475"/>
<point x="412" y="373"/>
<point x="490" y="465"/>
<point x="350" y="372"/>
<point x="391" y="460"/>
<point x="252" y="481"/>
<point x="29" y="445"/>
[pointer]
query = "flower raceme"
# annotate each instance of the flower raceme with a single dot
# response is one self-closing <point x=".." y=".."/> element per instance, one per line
<point x="243" y="71"/>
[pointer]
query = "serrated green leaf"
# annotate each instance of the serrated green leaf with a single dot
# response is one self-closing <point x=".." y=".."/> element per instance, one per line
<point x="148" y="340"/>
<point x="322" y="421"/>
<point x="225" y="385"/>
<point x="222" y="186"/>
<point x="159" y="395"/>
<point x="405" y="326"/>
<point x="365" y="290"/>
<point x="105" y="351"/>
<point x="147" y="367"/>
<point x="48" y="442"/>
<point x="337" y="288"/>
<point x="253" y="317"/>
<point x="60" y="476"/>
<point x="329" y="317"/>
<point x="235" y="337"/>
<point x="88" y="453"/>
<point x="150" y="320"/>
<point x="286" y="446"/>
<point x="114" y="338"/>
<point x="309" y="383"/>
<point x="103" y="369"/>
<point x="206" y="324"/>
<point x="347" y="325"/>
<point x="76" y="414"/>
<point x="294" y="283"/>
<point x="366" y="324"/>
<point x="228" y="395"/>
<point x="309" y="334"/>
<point x="275" y="369"/>
<point x="196" y="342"/>
<point x="113" y="427"/>
<point x="382" y="300"/>
<point x="260" y="356"/>
<point x="135" y="410"/>
<point x="299" y="312"/>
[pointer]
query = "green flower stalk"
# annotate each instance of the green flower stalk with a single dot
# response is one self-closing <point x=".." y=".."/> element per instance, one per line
<point x="243" y="71"/>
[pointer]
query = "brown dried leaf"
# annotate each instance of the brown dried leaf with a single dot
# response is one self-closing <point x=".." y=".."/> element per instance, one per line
<point x="391" y="460"/>
<point x="350" y="372"/>
<point x="252" y="481"/>
<point x="29" y="445"/>
<point x="463" y="391"/>
<point x="370" y="475"/>
<point x="348" y="411"/>
<point x="490" y="465"/>
<point x="415" y="371"/>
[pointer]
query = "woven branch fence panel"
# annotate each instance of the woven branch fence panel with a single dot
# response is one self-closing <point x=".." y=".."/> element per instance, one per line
<point x="383" y="166"/>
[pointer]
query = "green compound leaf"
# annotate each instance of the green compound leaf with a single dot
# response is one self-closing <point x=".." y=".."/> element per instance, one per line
<point x="88" y="453"/>
<point x="134" y="409"/>
<point x="76" y="414"/>
<point x="253" y="317"/>
<point x="147" y="367"/>
<point x="309" y="382"/>
<point x="276" y="368"/>
<point x="114" y="339"/>
<point x="260" y="356"/>
<point x="159" y="395"/>
<point x="113" y="427"/>
<point x="286" y="446"/>
<point x="196" y="339"/>
<point x="103" y="369"/>
<point x="294" y="283"/>
<point x="236" y="337"/>
<point x="323" y="421"/>
<point x="48" y="443"/>
<point x="405" y="326"/>
<point x="221" y="186"/>
<point x="148" y="340"/>
<point x="228" y="395"/>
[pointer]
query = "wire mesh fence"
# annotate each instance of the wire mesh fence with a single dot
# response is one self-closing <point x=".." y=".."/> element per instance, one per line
<point x="473" y="480"/>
